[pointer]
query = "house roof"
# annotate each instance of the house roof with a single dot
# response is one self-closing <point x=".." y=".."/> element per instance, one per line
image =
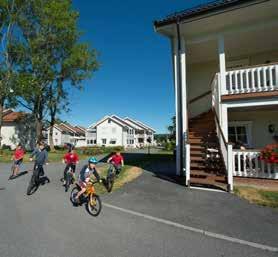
<point x="11" y="116"/>
<point x="68" y="128"/>
<point x="144" y="125"/>
<point x="80" y="130"/>
<point x="198" y="10"/>
<point x="124" y="121"/>
<point x="105" y="118"/>
<point x="139" y="124"/>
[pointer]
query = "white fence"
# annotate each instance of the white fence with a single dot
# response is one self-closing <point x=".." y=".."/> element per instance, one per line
<point x="253" y="79"/>
<point x="248" y="164"/>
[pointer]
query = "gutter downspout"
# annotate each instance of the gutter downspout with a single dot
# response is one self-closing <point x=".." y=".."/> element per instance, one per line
<point x="180" y="102"/>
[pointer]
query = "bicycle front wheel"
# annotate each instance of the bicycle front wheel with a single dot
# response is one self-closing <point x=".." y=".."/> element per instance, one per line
<point x="94" y="205"/>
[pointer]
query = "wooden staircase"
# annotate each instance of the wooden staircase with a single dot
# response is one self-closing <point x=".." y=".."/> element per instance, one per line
<point x="207" y="166"/>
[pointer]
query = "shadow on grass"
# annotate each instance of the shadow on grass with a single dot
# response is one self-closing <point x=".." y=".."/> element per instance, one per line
<point x="162" y="166"/>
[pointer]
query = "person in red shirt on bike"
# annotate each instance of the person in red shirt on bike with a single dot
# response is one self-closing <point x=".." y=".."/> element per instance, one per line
<point x="70" y="159"/>
<point x="117" y="161"/>
<point x="17" y="158"/>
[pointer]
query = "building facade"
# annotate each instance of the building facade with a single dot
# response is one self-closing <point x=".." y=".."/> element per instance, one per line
<point x="224" y="56"/>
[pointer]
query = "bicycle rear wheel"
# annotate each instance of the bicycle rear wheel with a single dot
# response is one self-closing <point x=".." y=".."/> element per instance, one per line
<point x="73" y="194"/>
<point x="110" y="182"/>
<point x="94" y="205"/>
<point x="68" y="181"/>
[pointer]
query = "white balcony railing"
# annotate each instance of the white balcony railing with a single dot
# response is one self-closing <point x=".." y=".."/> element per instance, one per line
<point x="253" y="79"/>
<point x="246" y="163"/>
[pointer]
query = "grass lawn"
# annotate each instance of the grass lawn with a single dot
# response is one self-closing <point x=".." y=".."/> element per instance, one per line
<point x="127" y="174"/>
<point x="56" y="156"/>
<point x="262" y="197"/>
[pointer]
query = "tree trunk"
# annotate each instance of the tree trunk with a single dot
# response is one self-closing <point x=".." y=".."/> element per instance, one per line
<point x="51" y="142"/>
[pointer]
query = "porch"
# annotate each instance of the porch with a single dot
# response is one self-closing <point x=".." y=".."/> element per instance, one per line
<point x="221" y="61"/>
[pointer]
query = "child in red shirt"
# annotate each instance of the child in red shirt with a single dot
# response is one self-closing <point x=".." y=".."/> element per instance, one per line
<point x="70" y="159"/>
<point x="17" y="159"/>
<point x="117" y="161"/>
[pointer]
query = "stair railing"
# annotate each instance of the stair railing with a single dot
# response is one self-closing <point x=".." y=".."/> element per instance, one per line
<point x="225" y="147"/>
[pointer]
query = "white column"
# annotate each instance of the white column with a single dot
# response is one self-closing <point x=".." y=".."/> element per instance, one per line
<point x="176" y="82"/>
<point x="186" y="151"/>
<point x="222" y="63"/>
<point x="224" y="120"/>
<point x="184" y="90"/>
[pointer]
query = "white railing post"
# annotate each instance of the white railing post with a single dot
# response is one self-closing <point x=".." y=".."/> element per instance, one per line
<point x="187" y="165"/>
<point x="276" y="76"/>
<point x="230" y="168"/>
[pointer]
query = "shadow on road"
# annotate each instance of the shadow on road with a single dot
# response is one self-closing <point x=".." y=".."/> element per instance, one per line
<point x="42" y="181"/>
<point x="22" y="173"/>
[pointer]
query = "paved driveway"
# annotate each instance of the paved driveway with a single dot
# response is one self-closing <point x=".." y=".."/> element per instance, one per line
<point x="148" y="217"/>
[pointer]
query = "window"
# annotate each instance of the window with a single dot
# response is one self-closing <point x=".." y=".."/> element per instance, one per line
<point x="240" y="132"/>
<point x="103" y="141"/>
<point x="91" y="142"/>
<point x="140" y="140"/>
<point x="88" y="142"/>
<point x="56" y="133"/>
<point x="113" y="141"/>
<point x="109" y="121"/>
<point x="95" y="141"/>
<point x="56" y="140"/>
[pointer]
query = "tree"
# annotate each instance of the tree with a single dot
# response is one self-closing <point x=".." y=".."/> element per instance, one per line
<point x="49" y="54"/>
<point x="172" y="129"/>
<point x="9" y="12"/>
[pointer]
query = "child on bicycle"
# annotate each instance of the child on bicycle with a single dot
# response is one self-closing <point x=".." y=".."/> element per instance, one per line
<point x="41" y="157"/>
<point x="85" y="174"/>
<point x="17" y="159"/>
<point x="70" y="159"/>
<point x="117" y="160"/>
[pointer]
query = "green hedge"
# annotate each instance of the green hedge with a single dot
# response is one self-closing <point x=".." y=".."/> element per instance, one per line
<point x="96" y="150"/>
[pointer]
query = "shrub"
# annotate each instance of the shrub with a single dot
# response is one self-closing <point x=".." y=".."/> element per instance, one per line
<point x="6" y="147"/>
<point x="96" y="150"/>
<point x="270" y="153"/>
<point x="169" y="146"/>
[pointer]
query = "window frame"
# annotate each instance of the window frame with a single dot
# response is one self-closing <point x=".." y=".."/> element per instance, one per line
<point x="248" y="125"/>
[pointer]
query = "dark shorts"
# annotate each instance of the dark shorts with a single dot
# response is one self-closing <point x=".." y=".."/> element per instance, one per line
<point x="18" y="162"/>
<point x="118" y="168"/>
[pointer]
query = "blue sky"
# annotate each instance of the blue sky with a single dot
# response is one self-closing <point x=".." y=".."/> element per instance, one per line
<point x="135" y="77"/>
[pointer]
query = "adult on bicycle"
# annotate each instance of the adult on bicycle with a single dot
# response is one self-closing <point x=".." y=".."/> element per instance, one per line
<point x="70" y="159"/>
<point x="41" y="157"/>
<point x="117" y="161"/>
<point x="17" y="159"/>
<point x="85" y="174"/>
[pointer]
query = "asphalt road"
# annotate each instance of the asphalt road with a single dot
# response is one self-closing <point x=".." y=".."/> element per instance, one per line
<point x="150" y="219"/>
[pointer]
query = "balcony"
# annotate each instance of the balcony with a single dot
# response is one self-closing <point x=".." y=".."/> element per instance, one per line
<point x="251" y="82"/>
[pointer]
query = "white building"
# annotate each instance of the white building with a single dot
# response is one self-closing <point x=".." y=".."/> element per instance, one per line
<point x="224" y="57"/>
<point x="66" y="133"/>
<point x="113" y="130"/>
<point x="18" y="127"/>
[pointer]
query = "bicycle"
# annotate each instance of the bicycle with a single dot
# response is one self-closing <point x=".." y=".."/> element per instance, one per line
<point x="110" y="178"/>
<point x="89" y="197"/>
<point x="69" y="178"/>
<point x="35" y="181"/>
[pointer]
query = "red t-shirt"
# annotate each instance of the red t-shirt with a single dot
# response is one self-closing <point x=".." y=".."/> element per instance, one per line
<point x="71" y="158"/>
<point x="117" y="159"/>
<point x="19" y="154"/>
